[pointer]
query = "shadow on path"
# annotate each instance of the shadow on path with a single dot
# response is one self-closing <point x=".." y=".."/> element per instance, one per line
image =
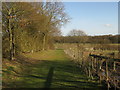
<point x="49" y="78"/>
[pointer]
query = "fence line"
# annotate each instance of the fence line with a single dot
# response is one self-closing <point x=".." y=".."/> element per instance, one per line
<point x="105" y="68"/>
<point x="106" y="71"/>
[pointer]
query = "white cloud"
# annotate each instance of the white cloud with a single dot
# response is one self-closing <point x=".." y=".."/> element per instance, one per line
<point x="108" y="25"/>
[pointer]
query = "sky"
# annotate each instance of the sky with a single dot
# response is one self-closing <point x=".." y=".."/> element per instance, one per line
<point x="94" y="18"/>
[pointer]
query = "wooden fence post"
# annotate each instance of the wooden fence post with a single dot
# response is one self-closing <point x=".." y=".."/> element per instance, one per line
<point x="106" y="69"/>
<point x="107" y="78"/>
<point x="114" y="66"/>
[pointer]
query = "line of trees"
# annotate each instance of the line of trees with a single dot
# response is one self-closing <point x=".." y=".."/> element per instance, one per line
<point x="79" y="36"/>
<point x="30" y="26"/>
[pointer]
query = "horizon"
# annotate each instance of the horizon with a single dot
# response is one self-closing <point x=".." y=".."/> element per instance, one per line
<point x="99" y="35"/>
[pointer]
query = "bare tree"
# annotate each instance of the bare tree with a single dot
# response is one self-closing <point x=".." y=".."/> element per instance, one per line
<point x="78" y="36"/>
<point x="75" y="32"/>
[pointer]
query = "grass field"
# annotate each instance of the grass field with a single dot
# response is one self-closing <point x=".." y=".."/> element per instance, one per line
<point x="46" y="69"/>
<point x="104" y="49"/>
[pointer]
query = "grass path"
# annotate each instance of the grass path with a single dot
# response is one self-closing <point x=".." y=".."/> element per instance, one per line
<point x="53" y="69"/>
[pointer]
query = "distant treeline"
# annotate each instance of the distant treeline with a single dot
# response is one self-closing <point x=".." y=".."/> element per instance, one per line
<point x="104" y="39"/>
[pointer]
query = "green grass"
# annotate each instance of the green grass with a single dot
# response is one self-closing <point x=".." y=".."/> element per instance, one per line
<point x="52" y="69"/>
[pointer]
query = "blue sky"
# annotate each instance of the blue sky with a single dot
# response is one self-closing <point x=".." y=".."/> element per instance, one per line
<point x="94" y="18"/>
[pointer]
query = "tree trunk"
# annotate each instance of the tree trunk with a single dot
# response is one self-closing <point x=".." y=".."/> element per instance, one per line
<point x="13" y="43"/>
<point x="10" y="39"/>
<point x="44" y="41"/>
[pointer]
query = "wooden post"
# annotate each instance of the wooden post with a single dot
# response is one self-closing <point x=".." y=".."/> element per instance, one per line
<point x="107" y="70"/>
<point x="92" y="63"/>
<point x="92" y="66"/>
<point x="114" y="84"/>
<point x="95" y="59"/>
<point x="114" y="66"/>
<point x="97" y="64"/>
<point x="107" y="79"/>
<point x="100" y="67"/>
<point x="88" y="66"/>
